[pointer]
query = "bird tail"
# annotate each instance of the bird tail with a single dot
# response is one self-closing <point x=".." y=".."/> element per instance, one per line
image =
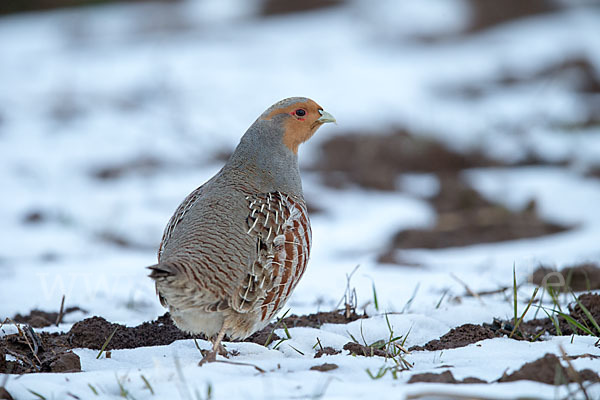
<point x="161" y="271"/>
<point x="163" y="274"/>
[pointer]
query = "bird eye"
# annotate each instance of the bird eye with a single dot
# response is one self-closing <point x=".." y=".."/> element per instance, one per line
<point x="300" y="112"/>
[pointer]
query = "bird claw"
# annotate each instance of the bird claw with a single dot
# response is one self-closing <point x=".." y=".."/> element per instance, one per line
<point x="223" y="351"/>
<point x="209" y="356"/>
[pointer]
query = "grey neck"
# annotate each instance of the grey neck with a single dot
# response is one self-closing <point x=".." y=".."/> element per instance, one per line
<point x="264" y="161"/>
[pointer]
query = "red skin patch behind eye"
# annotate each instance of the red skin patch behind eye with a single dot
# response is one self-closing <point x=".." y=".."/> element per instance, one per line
<point x="293" y="114"/>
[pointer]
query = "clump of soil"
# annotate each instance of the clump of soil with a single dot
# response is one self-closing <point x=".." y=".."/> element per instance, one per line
<point x="549" y="370"/>
<point x="594" y="171"/>
<point x="40" y="319"/>
<point x="324" y="367"/>
<point x="388" y="155"/>
<point x="444" y="377"/>
<point x="263" y="336"/>
<point x="328" y="351"/>
<point x="505" y="328"/>
<point x="590" y="301"/>
<point x="577" y="278"/>
<point x="362" y="350"/>
<point x="311" y="321"/>
<point x="66" y="362"/>
<point x="92" y="332"/>
<point x="470" y="333"/>
<point x="277" y="7"/>
<point x="465" y="218"/>
<point x="4" y="394"/>
<point x="488" y="13"/>
<point x="35" y="217"/>
<point x="36" y="353"/>
<point x="577" y="70"/>
<point x="317" y="319"/>
<point x="458" y="337"/>
<point x="10" y="7"/>
<point x="119" y="240"/>
<point x="54" y="348"/>
<point x="140" y="166"/>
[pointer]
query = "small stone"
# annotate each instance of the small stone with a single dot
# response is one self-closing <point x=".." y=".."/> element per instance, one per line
<point x="324" y="367"/>
<point x="66" y="362"/>
<point x="4" y="394"/>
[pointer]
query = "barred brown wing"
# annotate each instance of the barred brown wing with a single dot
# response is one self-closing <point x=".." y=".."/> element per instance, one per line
<point x="282" y="229"/>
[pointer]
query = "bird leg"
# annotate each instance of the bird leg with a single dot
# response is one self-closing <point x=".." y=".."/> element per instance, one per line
<point x="211" y="356"/>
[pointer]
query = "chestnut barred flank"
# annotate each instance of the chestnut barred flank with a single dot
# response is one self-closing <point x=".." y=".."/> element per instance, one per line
<point x="283" y="237"/>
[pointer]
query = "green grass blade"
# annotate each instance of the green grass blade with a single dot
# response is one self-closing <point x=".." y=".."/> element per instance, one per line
<point x="106" y="343"/>
<point x="554" y="321"/>
<point x="278" y="343"/>
<point x="524" y="312"/>
<point x="148" y="384"/>
<point x="269" y="338"/>
<point x="588" y="314"/>
<point x="514" y="295"/>
<point x="574" y="323"/>
<point x="439" y="303"/>
<point x="285" y="329"/>
<point x="93" y="389"/>
<point x="301" y="353"/>
<point x="375" y="301"/>
<point x="36" y="394"/>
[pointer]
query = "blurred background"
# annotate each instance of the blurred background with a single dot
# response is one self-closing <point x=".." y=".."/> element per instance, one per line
<point x="468" y="138"/>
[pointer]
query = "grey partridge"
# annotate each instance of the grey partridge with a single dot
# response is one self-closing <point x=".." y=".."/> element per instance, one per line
<point x="237" y="246"/>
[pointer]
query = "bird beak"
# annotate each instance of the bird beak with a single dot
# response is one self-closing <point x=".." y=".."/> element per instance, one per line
<point x="326" y="117"/>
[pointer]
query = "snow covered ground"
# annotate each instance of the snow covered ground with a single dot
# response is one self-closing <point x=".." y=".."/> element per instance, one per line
<point x="157" y="91"/>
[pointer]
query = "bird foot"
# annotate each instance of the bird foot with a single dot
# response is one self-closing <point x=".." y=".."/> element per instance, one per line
<point x="223" y="351"/>
<point x="211" y="355"/>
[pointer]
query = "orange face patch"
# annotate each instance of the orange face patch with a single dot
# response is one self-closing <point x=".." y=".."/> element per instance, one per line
<point x="302" y="124"/>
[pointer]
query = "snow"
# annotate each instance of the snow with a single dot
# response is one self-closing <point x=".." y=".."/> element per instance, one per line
<point x="96" y="87"/>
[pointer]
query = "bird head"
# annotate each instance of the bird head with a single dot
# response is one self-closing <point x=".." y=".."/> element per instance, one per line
<point x="299" y="118"/>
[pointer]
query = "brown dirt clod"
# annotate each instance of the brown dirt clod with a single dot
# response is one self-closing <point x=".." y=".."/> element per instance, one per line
<point x="362" y="350"/>
<point x="578" y="278"/>
<point x="578" y="70"/>
<point x="311" y="321"/>
<point x="328" y="351"/>
<point x="261" y="337"/>
<point x="66" y="362"/>
<point x="142" y="166"/>
<point x="317" y="319"/>
<point x="55" y="355"/>
<point x="4" y="394"/>
<point x="92" y="332"/>
<point x="466" y="218"/>
<point x="593" y="171"/>
<point x="51" y="355"/>
<point x="40" y="319"/>
<point x="35" y="217"/>
<point x="276" y="7"/>
<point x="444" y="377"/>
<point x="549" y="370"/>
<point x="488" y="13"/>
<point x="590" y="301"/>
<point x="469" y="333"/>
<point x="388" y="155"/>
<point x="458" y="337"/>
<point x="324" y="367"/>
